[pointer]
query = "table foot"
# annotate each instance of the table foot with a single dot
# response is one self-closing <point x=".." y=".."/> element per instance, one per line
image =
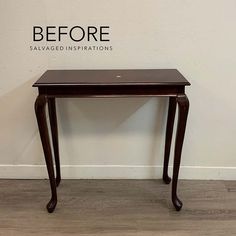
<point x="51" y="205"/>
<point x="166" y="179"/>
<point x="177" y="203"/>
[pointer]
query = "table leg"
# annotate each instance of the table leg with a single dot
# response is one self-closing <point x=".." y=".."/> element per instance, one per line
<point x="169" y="132"/>
<point x="183" y="105"/>
<point x="54" y="131"/>
<point x="43" y="130"/>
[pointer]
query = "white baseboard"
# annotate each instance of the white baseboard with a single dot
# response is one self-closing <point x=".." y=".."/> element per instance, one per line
<point x="116" y="172"/>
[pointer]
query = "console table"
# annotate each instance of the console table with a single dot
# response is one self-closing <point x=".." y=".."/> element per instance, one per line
<point x="111" y="83"/>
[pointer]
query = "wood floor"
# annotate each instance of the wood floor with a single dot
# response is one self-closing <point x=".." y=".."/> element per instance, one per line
<point x="117" y="207"/>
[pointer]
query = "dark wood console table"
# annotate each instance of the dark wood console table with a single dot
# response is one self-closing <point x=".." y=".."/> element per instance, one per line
<point x="111" y="83"/>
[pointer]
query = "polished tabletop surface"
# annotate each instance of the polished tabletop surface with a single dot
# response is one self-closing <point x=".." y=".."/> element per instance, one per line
<point x="111" y="77"/>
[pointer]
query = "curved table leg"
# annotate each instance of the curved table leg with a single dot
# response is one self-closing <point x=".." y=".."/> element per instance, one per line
<point x="43" y="130"/>
<point x="54" y="131"/>
<point x="169" y="132"/>
<point x="183" y="105"/>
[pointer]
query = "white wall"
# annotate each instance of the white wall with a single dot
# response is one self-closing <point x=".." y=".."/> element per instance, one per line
<point x="122" y="138"/>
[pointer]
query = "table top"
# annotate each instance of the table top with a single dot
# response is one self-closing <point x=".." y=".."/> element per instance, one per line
<point x="111" y="77"/>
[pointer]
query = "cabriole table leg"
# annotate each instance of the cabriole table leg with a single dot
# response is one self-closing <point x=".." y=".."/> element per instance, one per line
<point x="169" y="133"/>
<point x="183" y="105"/>
<point x="54" y="131"/>
<point x="40" y="104"/>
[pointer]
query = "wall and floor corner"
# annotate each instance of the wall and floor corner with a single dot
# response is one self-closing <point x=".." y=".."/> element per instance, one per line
<point x="122" y="138"/>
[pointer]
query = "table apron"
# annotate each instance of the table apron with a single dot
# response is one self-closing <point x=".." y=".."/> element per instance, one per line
<point x="111" y="91"/>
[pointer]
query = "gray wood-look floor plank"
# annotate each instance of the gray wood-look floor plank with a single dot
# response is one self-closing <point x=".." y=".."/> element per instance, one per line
<point x="117" y="207"/>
